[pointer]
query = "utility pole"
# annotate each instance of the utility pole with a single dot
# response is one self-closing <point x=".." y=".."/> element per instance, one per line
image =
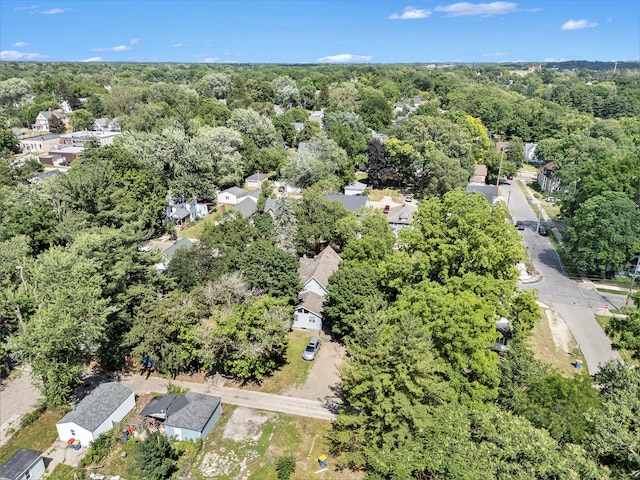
<point x="500" y="168"/>
<point x="633" y="277"/>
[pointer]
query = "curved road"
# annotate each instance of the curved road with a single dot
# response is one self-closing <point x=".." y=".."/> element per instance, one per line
<point x="575" y="302"/>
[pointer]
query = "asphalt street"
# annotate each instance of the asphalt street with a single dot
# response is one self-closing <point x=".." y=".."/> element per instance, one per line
<point x="574" y="301"/>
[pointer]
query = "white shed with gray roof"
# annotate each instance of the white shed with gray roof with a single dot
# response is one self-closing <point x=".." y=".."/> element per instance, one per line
<point x="193" y="417"/>
<point x="107" y="405"/>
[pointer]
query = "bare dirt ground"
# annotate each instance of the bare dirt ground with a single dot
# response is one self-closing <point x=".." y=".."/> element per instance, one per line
<point x="323" y="382"/>
<point x="18" y="396"/>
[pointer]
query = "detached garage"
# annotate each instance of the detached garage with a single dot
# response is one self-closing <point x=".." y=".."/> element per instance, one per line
<point x="107" y="405"/>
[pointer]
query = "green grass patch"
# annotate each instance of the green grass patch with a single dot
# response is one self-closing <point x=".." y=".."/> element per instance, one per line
<point x="37" y="436"/>
<point x="611" y="291"/>
<point x="525" y="190"/>
<point x="195" y="229"/>
<point x="293" y="374"/>
<point x="65" y="472"/>
<point x="377" y="195"/>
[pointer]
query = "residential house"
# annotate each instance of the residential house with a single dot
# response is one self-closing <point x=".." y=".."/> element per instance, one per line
<point x="316" y="116"/>
<point x="181" y="212"/>
<point x="381" y="137"/>
<point x="271" y="206"/>
<point x="247" y="207"/>
<point x="314" y="277"/>
<point x="490" y="192"/>
<point x="43" y="119"/>
<point x="350" y="202"/>
<point x="401" y="216"/>
<point x="479" y="175"/>
<point x="78" y="139"/>
<point x="39" y="177"/>
<point x="168" y="253"/>
<point x="399" y="106"/>
<point x="186" y="417"/>
<point x="356" y="188"/>
<point x="104" y="125"/>
<point x="107" y="405"/>
<point x="255" y="181"/>
<point x="61" y="155"/>
<point x="25" y="464"/>
<point x="530" y="152"/>
<point x="546" y="180"/>
<point x="284" y="187"/>
<point x="39" y="144"/>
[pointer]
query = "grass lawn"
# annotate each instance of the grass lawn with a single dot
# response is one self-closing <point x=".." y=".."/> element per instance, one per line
<point x="561" y="358"/>
<point x="376" y="195"/>
<point x="37" y="436"/>
<point x="194" y="230"/>
<point x="293" y="374"/>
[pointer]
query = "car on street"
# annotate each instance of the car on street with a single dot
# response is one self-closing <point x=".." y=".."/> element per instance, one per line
<point x="408" y="199"/>
<point x="519" y="224"/>
<point x="311" y="349"/>
<point x="386" y="209"/>
<point x="542" y="230"/>
<point x="509" y="177"/>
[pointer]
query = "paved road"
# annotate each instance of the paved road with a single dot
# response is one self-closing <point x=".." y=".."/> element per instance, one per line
<point x="575" y="302"/>
<point x="234" y="396"/>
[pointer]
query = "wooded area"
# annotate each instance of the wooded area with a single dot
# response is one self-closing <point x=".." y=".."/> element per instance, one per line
<point x="426" y="397"/>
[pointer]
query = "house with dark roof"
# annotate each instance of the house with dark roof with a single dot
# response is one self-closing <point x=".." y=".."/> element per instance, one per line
<point x="490" y="192"/>
<point x="25" y="464"/>
<point x="350" y="202"/>
<point x="233" y="196"/>
<point x="401" y="216"/>
<point x="107" y="405"/>
<point x="547" y="181"/>
<point x="314" y="277"/>
<point x="186" y="417"/>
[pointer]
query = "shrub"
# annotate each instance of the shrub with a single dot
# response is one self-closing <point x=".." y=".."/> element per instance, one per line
<point x="99" y="449"/>
<point x="285" y="466"/>
<point x="31" y="417"/>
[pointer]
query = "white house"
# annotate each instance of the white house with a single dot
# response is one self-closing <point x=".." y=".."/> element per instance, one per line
<point x="234" y="195"/>
<point x="43" y="119"/>
<point x="546" y="180"/>
<point x="107" y="405"/>
<point x="308" y="313"/>
<point x="314" y="277"/>
<point x="25" y="464"/>
<point x="356" y="188"/>
<point x="400" y="217"/>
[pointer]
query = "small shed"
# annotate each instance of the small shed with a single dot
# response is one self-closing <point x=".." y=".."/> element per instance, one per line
<point x="107" y="405"/>
<point x="186" y="417"/>
<point x="25" y="464"/>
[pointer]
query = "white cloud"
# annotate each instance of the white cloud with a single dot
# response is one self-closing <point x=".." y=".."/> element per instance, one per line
<point x="52" y="11"/>
<point x="578" y="25"/>
<point x="21" y="44"/>
<point x="179" y="45"/>
<point x="210" y="60"/>
<point x="93" y="59"/>
<point x="13" y="55"/>
<point x="119" y="48"/>
<point x="345" y="58"/>
<point x="134" y="41"/>
<point x="30" y="7"/>
<point x="495" y="54"/>
<point x="410" y="13"/>
<point x="465" y="9"/>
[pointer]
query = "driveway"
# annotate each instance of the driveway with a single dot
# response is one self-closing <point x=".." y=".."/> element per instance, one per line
<point x="18" y="396"/>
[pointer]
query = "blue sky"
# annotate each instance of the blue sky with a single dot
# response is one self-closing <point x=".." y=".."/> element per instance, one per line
<point x="309" y="31"/>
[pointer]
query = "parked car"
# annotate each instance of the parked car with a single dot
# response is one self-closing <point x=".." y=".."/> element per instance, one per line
<point x="386" y="209"/>
<point x="408" y="199"/>
<point x="509" y="177"/>
<point x="542" y="230"/>
<point x="311" y="349"/>
<point x="519" y="224"/>
<point x="551" y="199"/>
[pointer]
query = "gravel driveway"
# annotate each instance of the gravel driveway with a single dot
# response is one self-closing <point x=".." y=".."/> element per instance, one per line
<point x="18" y="397"/>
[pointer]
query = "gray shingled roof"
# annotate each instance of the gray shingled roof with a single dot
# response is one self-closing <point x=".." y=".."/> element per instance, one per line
<point x="237" y="191"/>
<point x="350" y="202"/>
<point x="272" y="205"/>
<point x="246" y="207"/>
<point x="257" y="177"/>
<point x="158" y="407"/>
<point x="312" y="302"/>
<point x="195" y="414"/>
<point x="320" y="267"/>
<point x="18" y="463"/>
<point x="402" y="214"/>
<point x="94" y="409"/>
<point x="490" y="192"/>
<point x="184" y="242"/>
